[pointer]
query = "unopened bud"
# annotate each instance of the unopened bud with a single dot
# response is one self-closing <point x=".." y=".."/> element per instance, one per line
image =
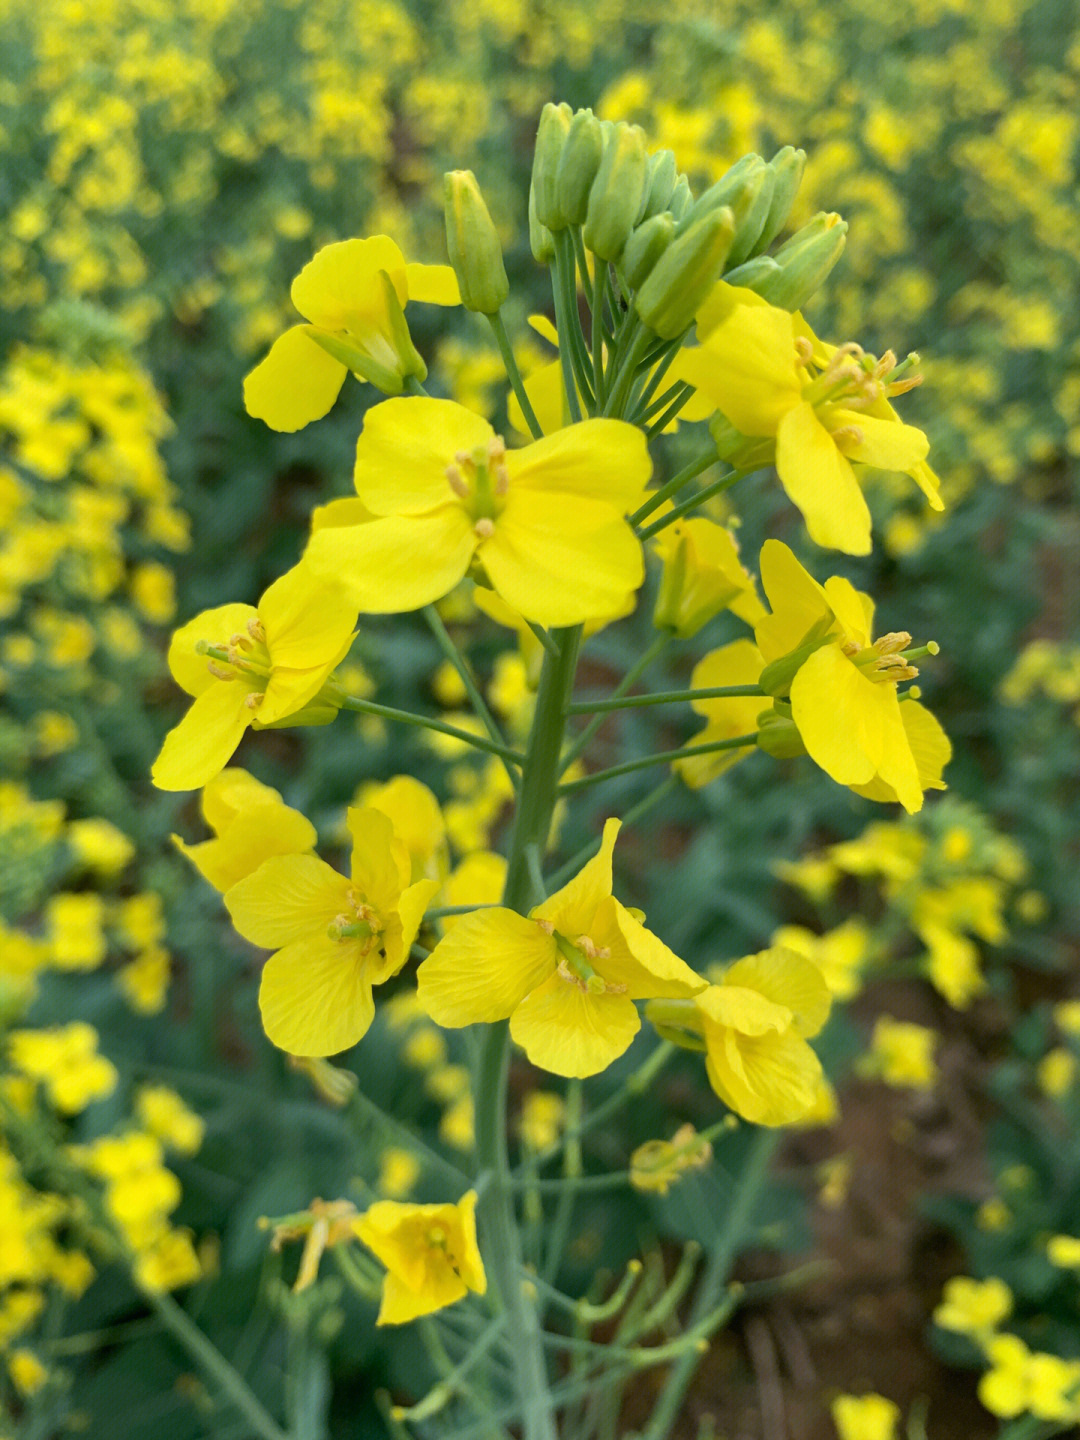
<point x="661" y="176"/>
<point x="541" y="241"/>
<point x="751" y="271"/>
<point x="578" y="165"/>
<point x="748" y="229"/>
<point x="777" y="733"/>
<point x="551" y="136"/>
<point x="803" y="269"/>
<point x="615" y="198"/>
<point x="645" y="246"/>
<point x="787" y="167"/>
<point x="473" y="244"/>
<point x="681" y="198"/>
<point x="737" y="189"/>
<point x="684" y="275"/>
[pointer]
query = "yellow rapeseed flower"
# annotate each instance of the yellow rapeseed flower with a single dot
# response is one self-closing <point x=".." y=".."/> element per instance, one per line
<point x="251" y="822"/>
<point x="430" y="1253"/>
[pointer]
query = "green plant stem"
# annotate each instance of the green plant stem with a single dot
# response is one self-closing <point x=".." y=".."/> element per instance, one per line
<point x="599" y="299"/>
<point x="571" y="1178"/>
<point x="632" y="816"/>
<point x="363" y="1108"/>
<point x="682" y="395"/>
<point x="460" y="664"/>
<point x="513" y="374"/>
<point x="621" y="386"/>
<point x="426" y="722"/>
<point x="532" y="825"/>
<point x="665" y="355"/>
<point x="413" y="385"/>
<point x="716" y="488"/>
<point x="209" y="1359"/>
<point x="572" y="354"/>
<point x="544" y="637"/>
<point x="673" y="486"/>
<point x="661" y="758"/>
<point x="665" y="697"/>
<point x="738" y="1220"/>
<point x="640" y="665"/>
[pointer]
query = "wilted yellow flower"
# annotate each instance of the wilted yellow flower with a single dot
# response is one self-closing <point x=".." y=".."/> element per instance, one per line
<point x="659" y="1164"/>
<point x="430" y="1253"/>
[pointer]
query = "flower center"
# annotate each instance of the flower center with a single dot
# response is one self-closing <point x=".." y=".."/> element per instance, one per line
<point x="360" y="922"/>
<point x="852" y="377"/>
<point x="576" y="962"/>
<point x="244" y="656"/>
<point x="888" y="659"/>
<point x="480" y="481"/>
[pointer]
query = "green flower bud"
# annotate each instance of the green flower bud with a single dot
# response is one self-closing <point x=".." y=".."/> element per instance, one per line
<point x="662" y="174"/>
<point x="804" y="269"/>
<point x="737" y="189"/>
<point x="578" y="165"/>
<point x="748" y="228"/>
<point x="541" y="241"/>
<point x="685" y="273"/>
<point x="777" y="733"/>
<point x="645" y="246"/>
<point x="550" y="139"/>
<point x="776" y="678"/>
<point x="787" y="167"/>
<point x="751" y="270"/>
<point x="472" y="244"/>
<point x="681" y="198"/>
<point x="615" y="197"/>
<point x="817" y="225"/>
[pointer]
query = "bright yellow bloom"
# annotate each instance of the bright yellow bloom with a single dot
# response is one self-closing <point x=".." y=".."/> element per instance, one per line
<point x="902" y="1054"/>
<point x="251" y="823"/>
<point x="168" y="1263"/>
<point x="842" y="683"/>
<point x="974" y="1307"/>
<point x="430" y="1253"/>
<point x="165" y="1116"/>
<point x="702" y="575"/>
<point x="839" y="954"/>
<point x="67" y="1062"/>
<point x="567" y="975"/>
<point x="356" y="324"/>
<point x="27" y="1372"/>
<point x="337" y="935"/>
<point x="266" y="663"/>
<point x="1023" y="1380"/>
<point x="820" y="406"/>
<point x="739" y="663"/>
<point x="544" y="526"/>
<point x="417" y="820"/>
<point x="1063" y="1251"/>
<point x="865" y="1417"/>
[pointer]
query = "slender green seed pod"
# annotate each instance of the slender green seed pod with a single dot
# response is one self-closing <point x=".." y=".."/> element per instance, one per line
<point x="685" y="273"/>
<point x="578" y="165"/>
<point x="615" y="197"/>
<point x="787" y="167"/>
<point x="645" y="246"/>
<point x="550" y="139"/>
<point x="473" y="244"/>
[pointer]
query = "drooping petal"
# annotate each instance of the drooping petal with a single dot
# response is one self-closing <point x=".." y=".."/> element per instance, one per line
<point x="339" y="287"/>
<point x="786" y="978"/>
<point x="432" y="284"/>
<point x="569" y="1031"/>
<point x="484" y="967"/>
<point x="798" y="602"/>
<point x="639" y="959"/>
<point x="598" y="459"/>
<point x="397" y="563"/>
<point x="411" y="907"/>
<point x="286" y="899"/>
<point x="819" y="480"/>
<point x="885" y="444"/>
<point x="747" y="364"/>
<point x="187" y="666"/>
<point x="315" y="996"/>
<point x="297" y="382"/>
<point x="735" y="1007"/>
<point x="769" y="1080"/>
<point x="203" y="743"/>
<point x="404" y="450"/>
<point x="562" y="560"/>
<point x="308" y="620"/>
<point x="572" y="909"/>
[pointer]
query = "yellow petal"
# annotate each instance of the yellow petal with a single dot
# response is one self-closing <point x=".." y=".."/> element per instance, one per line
<point x="544" y="388"/>
<point x="789" y="979"/>
<point x="397" y="563"/>
<point x="569" y="1031"/>
<point x="819" y="480"/>
<point x="287" y="898"/>
<point x="735" y="1007"/>
<point x="540" y="541"/>
<point x="886" y="444"/>
<point x="930" y="747"/>
<point x="217" y="625"/>
<point x="400" y="1304"/>
<point x="203" y="742"/>
<point x="411" y="907"/>
<point x="853" y="609"/>
<point x="484" y="967"/>
<point x="266" y="828"/>
<point x="376" y="869"/>
<point x="799" y="603"/>
<point x="404" y="450"/>
<point x="769" y="1080"/>
<point x="432" y="284"/>
<point x="349" y="511"/>
<point x="232" y="792"/>
<point x="315" y="996"/>
<point x="572" y="909"/>
<point x="339" y="288"/>
<point x="290" y="690"/>
<point x="839" y="714"/>
<point x="599" y="459"/>
<point x="747" y="365"/>
<point x="639" y="959"/>
<point x="297" y="383"/>
<point x="308" y="620"/>
<point x="739" y="663"/>
<point x="721" y="302"/>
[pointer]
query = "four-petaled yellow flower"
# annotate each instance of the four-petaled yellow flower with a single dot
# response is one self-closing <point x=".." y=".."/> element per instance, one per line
<point x="251" y="665"/>
<point x="337" y="935"/>
<point x="567" y="974"/>
<point x="353" y="293"/>
<point x="544" y="526"/>
<point x="821" y="406"/>
<point x="430" y="1253"/>
<point x="843" y="684"/>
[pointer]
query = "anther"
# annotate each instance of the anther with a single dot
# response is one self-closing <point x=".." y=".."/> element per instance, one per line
<point x="502" y="479"/>
<point x="496" y="448"/>
<point x="848" y="432"/>
<point x="893" y="642"/>
<point x="220" y="672"/>
<point x="257" y="630"/>
<point x="254" y="700"/>
<point x="804" y="349"/>
<point x="240" y="641"/>
<point x="547" y="927"/>
<point x="484" y="527"/>
<point x="457" y="481"/>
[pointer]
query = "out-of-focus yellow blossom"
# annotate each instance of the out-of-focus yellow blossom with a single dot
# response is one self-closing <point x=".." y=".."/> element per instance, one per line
<point x="993" y="1215"/>
<point x="144" y="981"/>
<point x="28" y="1374"/>
<point x="424" y="1048"/>
<point x="566" y="975"/>
<point x="350" y="305"/>
<point x="839" y="954"/>
<point x="416" y="817"/>
<point x="457" y="1127"/>
<point x="53" y="732"/>
<point x="448" y="686"/>
<point x="478" y="880"/>
<point x="154" y="592"/>
<point x="739" y="663"/>
<point x="865" y="1417"/>
<point x="251" y="822"/>
<point x="266" y="663"/>
<point x="901" y="1054"/>
<point x="974" y="1307"/>
<point x="1064" y="1251"/>
<point x="169" y="1263"/>
<point x="76" y="931"/>
<point x="1025" y="1381"/>
<point x="543" y="1113"/>
<point x="1067" y="1017"/>
<point x="337" y="935"/>
<point x="430" y="1253"/>
<point x="100" y="845"/>
<point x="399" y="1171"/>
<point x="446" y="493"/>
<point x="1056" y="1072"/>
<point x="834" y="1178"/>
<point x="163" y="1114"/>
<point x="66" y="1062"/>
<point x="814" y="875"/>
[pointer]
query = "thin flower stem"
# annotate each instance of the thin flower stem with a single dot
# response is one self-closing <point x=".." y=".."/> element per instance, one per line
<point x="461" y="665"/>
<point x="661" y="423"/>
<point x="665" y="697"/>
<point x="664" y="355"/>
<point x="620" y="389"/>
<point x="544" y="636"/>
<point x="425" y="722"/>
<point x="630" y="678"/>
<point x="653" y="409"/>
<point x="614" y="1181"/>
<point x="571" y="1176"/>
<point x="632" y="816"/>
<point x="716" y="488"/>
<point x="673" y="486"/>
<point x="366" y="1111"/>
<point x="663" y="757"/>
<point x="441" y="911"/>
<point x="568" y="324"/>
<point x="413" y="385"/>
<point x="599" y="298"/>
<point x="513" y="374"/>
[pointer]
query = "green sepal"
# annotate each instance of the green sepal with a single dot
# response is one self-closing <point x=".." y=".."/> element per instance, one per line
<point x="778" y="735"/>
<point x="803" y="270"/>
<point x="777" y="676"/>
<point x="661" y="177"/>
<point x="787" y="167"/>
<point x="616" y="194"/>
<point x="684" y="275"/>
<point x="357" y="360"/>
<point x="645" y="246"/>
<point x="578" y="165"/>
